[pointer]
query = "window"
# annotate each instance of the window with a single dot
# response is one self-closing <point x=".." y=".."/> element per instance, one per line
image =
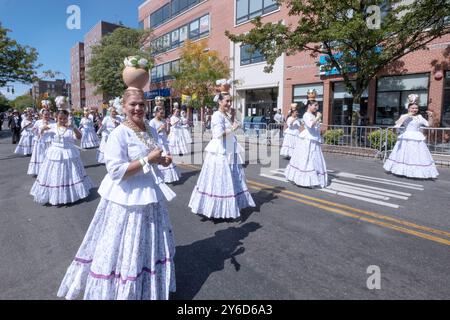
<point x="301" y="98"/>
<point x="175" y="7"/>
<point x="446" y="106"/>
<point x="141" y="25"/>
<point x="194" y="30"/>
<point x="170" y="10"/>
<point x="343" y="111"/>
<point x="249" y="57"/>
<point x="204" y="25"/>
<point x="163" y="72"/>
<point x="175" y="41"/>
<point x="249" y="9"/>
<point x="183" y="33"/>
<point x="392" y="96"/>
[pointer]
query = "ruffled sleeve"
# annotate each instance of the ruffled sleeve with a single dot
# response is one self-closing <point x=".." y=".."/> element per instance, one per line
<point x="116" y="157"/>
<point x="308" y="119"/>
<point x="217" y="126"/>
<point x="423" y="121"/>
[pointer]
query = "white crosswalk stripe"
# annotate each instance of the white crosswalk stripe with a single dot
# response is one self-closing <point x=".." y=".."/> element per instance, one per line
<point x="360" y="187"/>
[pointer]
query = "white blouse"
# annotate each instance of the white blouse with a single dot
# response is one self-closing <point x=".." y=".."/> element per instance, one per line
<point x="311" y="132"/>
<point x="123" y="147"/>
<point x="109" y="124"/>
<point x="220" y="144"/>
<point x="161" y="136"/>
<point x="86" y="123"/>
<point x="175" y="122"/>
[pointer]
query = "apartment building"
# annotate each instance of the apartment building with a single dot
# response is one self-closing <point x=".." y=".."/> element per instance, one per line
<point x="425" y="72"/>
<point x="80" y="55"/>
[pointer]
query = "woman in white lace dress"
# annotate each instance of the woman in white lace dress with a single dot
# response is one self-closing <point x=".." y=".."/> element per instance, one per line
<point x="307" y="166"/>
<point x="109" y="123"/>
<point x="89" y="138"/>
<point x="170" y="173"/>
<point x="221" y="191"/>
<point x="177" y="140"/>
<point x="128" y="250"/>
<point x="62" y="178"/>
<point x="25" y="145"/>
<point x="410" y="156"/>
<point x="42" y="141"/>
<point x="291" y="134"/>
<point x="185" y="127"/>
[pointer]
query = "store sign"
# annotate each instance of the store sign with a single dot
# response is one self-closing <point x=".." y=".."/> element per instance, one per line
<point x="150" y="95"/>
<point x="326" y="68"/>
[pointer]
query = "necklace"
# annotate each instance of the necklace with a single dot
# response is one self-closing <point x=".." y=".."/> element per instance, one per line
<point x="60" y="135"/>
<point x="150" y="143"/>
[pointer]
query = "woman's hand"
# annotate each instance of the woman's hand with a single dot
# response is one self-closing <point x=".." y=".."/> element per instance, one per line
<point x="430" y="114"/>
<point x="166" y="161"/>
<point x="155" y="156"/>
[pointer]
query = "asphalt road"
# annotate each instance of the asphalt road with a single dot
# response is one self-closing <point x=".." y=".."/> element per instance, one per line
<point x="298" y="243"/>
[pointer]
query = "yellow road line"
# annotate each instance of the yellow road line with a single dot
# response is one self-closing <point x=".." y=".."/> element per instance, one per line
<point x="359" y="217"/>
<point x="338" y="209"/>
<point x="368" y="213"/>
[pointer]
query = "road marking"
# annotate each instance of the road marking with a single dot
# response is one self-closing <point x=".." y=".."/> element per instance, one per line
<point x="346" y="210"/>
<point x="358" y="191"/>
<point x="389" y="191"/>
<point x="315" y="202"/>
<point x="381" y="181"/>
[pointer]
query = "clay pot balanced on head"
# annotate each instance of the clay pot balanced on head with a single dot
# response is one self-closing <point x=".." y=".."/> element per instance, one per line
<point x="135" y="74"/>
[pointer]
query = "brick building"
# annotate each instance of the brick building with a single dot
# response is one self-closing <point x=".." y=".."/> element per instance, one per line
<point x="425" y="72"/>
<point x="80" y="56"/>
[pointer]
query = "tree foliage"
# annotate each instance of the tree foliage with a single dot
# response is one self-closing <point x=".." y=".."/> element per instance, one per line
<point x="5" y="104"/>
<point x="327" y="27"/>
<point x="22" y="102"/>
<point x="106" y="66"/>
<point x="199" y="69"/>
<point x="17" y="62"/>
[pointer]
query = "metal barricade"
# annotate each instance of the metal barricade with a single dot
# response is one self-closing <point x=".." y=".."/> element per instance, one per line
<point x="275" y="133"/>
<point x="357" y="140"/>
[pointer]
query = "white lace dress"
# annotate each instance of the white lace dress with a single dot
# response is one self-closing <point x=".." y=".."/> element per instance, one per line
<point x="89" y="138"/>
<point x="42" y="142"/>
<point x="108" y="125"/>
<point x="62" y="178"/>
<point x="186" y="130"/>
<point x="410" y="156"/>
<point x="221" y="190"/>
<point x="291" y="135"/>
<point x="128" y="250"/>
<point x="307" y="166"/>
<point x="170" y="173"/>
<point x="177" y="140"/>
<point x="25" y="145"/>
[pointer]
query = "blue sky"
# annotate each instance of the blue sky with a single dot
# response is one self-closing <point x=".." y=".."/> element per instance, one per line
<point x="42" y="25"/>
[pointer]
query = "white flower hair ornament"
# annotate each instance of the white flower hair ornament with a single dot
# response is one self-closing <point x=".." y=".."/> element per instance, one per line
<point x="222" y="86"/>
<point x="61" y="103"/>
<point x="45" y="103"/>
<point x="412" y="99"/>
<point x="118" y="104"/>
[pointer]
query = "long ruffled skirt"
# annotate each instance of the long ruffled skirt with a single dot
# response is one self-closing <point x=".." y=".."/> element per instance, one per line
<point x="127" y="254"/>
<point x="101" y="150"/>
<point x="25" y="145"/>
<point x="221" y="190"/>
<point x="289" y="143"/>
<point x="412" y="159"/>
<point x="177" y="142"/>
<point x="89" y="138"/>
<point x="61" y="181"/>
<point x="37" y="157"/>
<point x="307" y="166"/>
<point x="170" y="173"/>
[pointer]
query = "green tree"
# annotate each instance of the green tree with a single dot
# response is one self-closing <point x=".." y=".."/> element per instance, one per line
<point x="5" y="104"/>
<point x="17" y="62"/>
<point x="22" y="102"/>
<point x="198" y="71"/>
<point x="347" y="34"/>
<point x="106" y="66"/>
